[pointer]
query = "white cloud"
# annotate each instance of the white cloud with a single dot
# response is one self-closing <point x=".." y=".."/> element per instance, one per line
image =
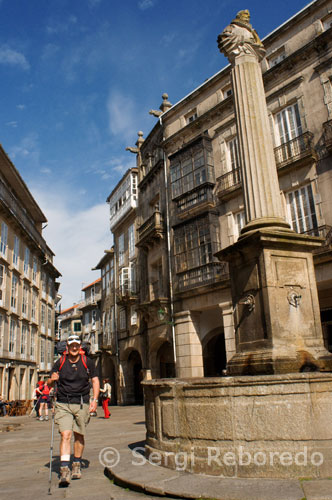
<point x="21" y="106"/>
<point x="46" y="170"/>
<point x="146" y="4"/>
<point x="122" y="116"/>
<point x="55" y="28"/>
<point x="11" y="57"/>
<point x="11" y="124"/>
<point x="78" y="237"/>
<point x="28" y="147"/>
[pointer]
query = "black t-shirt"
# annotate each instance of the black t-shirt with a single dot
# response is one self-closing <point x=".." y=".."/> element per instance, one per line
<point x="74" y="380"/>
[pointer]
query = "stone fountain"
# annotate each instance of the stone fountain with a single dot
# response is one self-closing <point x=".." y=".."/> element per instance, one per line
<point x="271" y="416"/>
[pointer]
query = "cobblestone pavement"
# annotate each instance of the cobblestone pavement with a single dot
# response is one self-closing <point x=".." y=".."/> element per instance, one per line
<point x="25" y="455"/>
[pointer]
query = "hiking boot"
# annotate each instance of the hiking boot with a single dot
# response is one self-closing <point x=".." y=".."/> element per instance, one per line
<point x="64" y="477"/>
<point x="76" y="470"/>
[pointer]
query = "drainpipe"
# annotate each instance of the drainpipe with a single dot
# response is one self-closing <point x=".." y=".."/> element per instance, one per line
<point x="169" y="254"/>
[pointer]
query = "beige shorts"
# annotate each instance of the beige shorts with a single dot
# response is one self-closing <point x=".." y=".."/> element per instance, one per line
<point x="71" y="417"/>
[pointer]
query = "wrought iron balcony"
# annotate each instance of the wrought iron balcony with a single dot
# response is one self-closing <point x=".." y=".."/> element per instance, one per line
<point x="151" y="230"/>
<point x="297" y="149"/>
<point x="91" y="300"/>
<point x="126" y="293"/>
<point x="323" y="232"/>
<point x="198" y="197"/>
<point x="328" y="134"/>
<point x="229" y="182"/>
<point x="203" y="275"/>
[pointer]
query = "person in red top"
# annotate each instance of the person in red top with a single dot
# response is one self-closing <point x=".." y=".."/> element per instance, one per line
<point x="44" y="402"/>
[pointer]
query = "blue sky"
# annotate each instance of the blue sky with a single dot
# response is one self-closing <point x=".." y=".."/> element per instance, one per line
<point x="78" y="78"/>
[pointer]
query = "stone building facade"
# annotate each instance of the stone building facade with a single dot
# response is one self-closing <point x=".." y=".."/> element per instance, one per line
<point x="190" y="204"/>
<point x="28" y="288"/>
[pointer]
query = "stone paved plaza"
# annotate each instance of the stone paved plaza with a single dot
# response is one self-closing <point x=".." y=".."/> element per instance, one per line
<point x="24" y="466"/>
<point x="25" y="454"/>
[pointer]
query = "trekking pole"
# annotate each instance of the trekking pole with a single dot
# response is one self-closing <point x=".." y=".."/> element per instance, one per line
<point x="52" y="439"/>
<point x="35" y="406"/>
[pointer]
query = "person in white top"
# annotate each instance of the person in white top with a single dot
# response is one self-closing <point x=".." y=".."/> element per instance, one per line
<point x="106" y="391"/>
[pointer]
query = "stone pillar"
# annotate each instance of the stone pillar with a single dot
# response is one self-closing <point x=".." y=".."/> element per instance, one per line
<point x="274" y="291"/>
<point x="228" y="322"/>
<point x="189" y="356"/>
<point x="241" y="44"/>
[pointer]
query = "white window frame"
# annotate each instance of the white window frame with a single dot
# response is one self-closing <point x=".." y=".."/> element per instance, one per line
<point x="35" y="271"/>
<point x="233" y="156"/>
<point x="42" y="317"/>
<point x="49" y="320"/>
<point x="24" y="340"/>
<point x="2" y="284"/>
<point x="26" y="261"/>
<point x="131" y="241"/>
<point x="121" y="249"/>
<point x="301" y="209"/>
<point x="288" y="124"/>
<point x="14" y="293"/>
<point x="34" y="303"/>
<point x="4" y="239"/>
<point x="16" y="251"/>
<point x="33" y="335"/>
<point x="43" y="283"/>
<point x="12" y="336"/>
<point x="239" y="219"/>
<point x="25" y="300"/>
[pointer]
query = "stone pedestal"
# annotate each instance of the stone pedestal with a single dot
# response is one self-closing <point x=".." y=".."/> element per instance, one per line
<point x="275" y="301"/>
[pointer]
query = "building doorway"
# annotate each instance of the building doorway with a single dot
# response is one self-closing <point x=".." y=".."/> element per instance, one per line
<point x="165" y="361"/>
<point x="214" y="355"/>
<point x="135" y="377"/>
<point x="110" y="373"/>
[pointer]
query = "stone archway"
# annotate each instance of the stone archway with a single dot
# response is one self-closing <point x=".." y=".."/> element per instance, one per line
<point x="214" y="354"/>
<point x="165" y="361"/>
<point x="135" y="377"/>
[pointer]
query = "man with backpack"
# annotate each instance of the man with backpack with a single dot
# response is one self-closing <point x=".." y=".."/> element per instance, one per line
<point x="72" y="372"/>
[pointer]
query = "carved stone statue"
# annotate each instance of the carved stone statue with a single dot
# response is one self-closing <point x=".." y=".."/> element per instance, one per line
<point x="240" y="38"/>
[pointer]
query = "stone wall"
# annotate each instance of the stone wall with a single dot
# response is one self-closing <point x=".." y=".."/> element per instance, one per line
<point x="260" y="426"/>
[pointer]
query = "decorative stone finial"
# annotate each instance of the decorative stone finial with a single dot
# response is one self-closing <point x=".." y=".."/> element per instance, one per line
<point x="240" y="38"/>
<point x="165" y="105"/>
<point x="140" y="139"/>
<point x="139" y="143"/>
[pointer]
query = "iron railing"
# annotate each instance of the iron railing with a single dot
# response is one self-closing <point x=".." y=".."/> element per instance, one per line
<point x="294" y="150"/>
<point x="229" y="180"/>
<point x="203" y="275"/>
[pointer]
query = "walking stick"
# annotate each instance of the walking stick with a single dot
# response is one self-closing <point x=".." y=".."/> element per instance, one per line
<point x="35" y="406"/>
<point x="52" y="439"/>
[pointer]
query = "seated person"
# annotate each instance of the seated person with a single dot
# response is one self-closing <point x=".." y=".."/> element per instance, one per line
<point x="3" y="406"/>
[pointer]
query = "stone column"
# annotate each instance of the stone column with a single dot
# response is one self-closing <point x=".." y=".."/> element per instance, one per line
<point x="240" y="43"/>
<point x="274" y="291"/>
<point x="229" y="333"/>
<point x="189" y="356"/>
